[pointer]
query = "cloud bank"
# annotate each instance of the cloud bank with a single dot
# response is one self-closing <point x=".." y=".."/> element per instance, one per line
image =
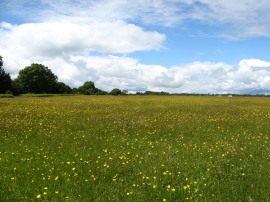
<point x="91" y="40"/>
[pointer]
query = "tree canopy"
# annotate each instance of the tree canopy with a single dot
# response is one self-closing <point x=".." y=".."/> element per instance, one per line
<point x="37" y="78"/>
<point x="88" y="88"/>
<point x="5" y="80"/>
<point x="116" y="91"/>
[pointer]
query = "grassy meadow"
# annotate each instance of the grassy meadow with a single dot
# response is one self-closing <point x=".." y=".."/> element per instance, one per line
<point x="134" y="148"/>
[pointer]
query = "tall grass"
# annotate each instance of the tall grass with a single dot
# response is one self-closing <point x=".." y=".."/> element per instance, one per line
<point x="6" y="96"/>
<point x="134" y="149"/>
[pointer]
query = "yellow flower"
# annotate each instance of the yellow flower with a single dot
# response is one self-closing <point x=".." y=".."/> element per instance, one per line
<point x="38" y="196"/>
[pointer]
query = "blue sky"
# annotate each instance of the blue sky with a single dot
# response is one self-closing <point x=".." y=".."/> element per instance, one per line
<point x="178" y="46"/>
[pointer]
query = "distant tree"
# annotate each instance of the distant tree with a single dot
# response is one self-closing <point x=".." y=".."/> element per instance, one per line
<point x="155" y="93"/>
<point x="37" y="78"/>
<point x="116" y="91"/>
<point x="16" y="87"/>
<point x="5" y="80"/>
<point x="124" y="92"/>
<point x="88" y="88"/>
<point x="62" y="88"/>
<point x="100" y="92"/>
<point x="75" y="91"/>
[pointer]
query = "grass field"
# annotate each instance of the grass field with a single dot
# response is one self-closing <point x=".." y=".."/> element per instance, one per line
<point x="132" y="148"/>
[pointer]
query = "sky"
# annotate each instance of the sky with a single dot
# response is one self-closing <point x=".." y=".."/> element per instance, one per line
<point x="176" y="46"/>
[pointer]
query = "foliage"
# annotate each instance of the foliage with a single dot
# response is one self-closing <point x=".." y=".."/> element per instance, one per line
<point x="116" y="91"/>
<point x="16" y="87"/>
<point x="88" y="88"/>
<point x="5" y="80"/>
<point x="100" y="92"/>
<point x="62" y="88"/>
<point x="155" y="93"/>
<point x="37" y="78"/>
<point x="164" y="148"/>
<point x="6" y="96"/>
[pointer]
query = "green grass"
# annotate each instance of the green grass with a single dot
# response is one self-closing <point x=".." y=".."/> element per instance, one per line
<point x="6" y="96"/>
<point x="90" y="148"/>
<point x="44" y="95"/>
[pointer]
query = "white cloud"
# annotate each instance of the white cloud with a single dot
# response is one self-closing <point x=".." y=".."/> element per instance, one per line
<point x="57" y="38"/>
<point x="249" y="76"/>
<point x="234" y="19"/>
<point x="64" y="33"/>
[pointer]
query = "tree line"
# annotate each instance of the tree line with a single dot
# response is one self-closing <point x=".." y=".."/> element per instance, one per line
<point x="39" y="79"/>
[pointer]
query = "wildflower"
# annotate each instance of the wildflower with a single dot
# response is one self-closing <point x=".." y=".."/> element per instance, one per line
<point x="38" y="196"/>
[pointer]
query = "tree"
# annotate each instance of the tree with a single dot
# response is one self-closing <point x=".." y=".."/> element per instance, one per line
<point x="37" y="79"/>
<point x="124" y="92"/>
<point x="62" y="88"/>
<point x="5" y="80"/>
<point x="16" y="87"/>
<point x="116" y="91"/>
<point x="100" y="92"/>
<point x="88" y="88"/>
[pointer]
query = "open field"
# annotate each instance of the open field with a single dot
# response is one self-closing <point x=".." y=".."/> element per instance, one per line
<point x="90" y="148"/>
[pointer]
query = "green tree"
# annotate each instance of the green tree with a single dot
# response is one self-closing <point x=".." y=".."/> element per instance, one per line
<point x="124" y="92"/>
<point x="116" y="91"/>
<point x="37" y="79"/>
<point x="62" y="88"/>
<point x="5" y="80"/>
<point x="88" y="88"/>
<point x="100" y="92"/>
<point x="16" y="87"/>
